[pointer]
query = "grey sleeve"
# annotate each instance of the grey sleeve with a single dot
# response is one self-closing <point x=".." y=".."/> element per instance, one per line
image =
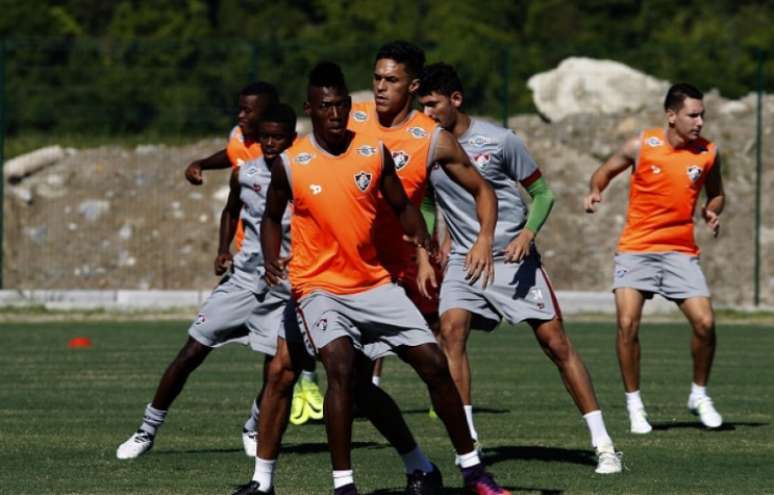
<point x="433" y="143"/>
<point x="517" y="162"/>
<point x="286" y="164"/>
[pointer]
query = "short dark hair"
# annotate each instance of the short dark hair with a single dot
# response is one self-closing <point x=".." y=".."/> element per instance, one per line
<point x="281" y="114"/>
<point x="677" y="95"/>
<point x="261" y="88"/>
<point x="327" y="75"/>
<point x="403" y="52"/>
<point x="441" y="78"/>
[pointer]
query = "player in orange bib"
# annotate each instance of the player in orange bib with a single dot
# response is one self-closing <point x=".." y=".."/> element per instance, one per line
<point x="349" y="309"/>
<point x="243" y="144"/>
<point x="657" y="253"/>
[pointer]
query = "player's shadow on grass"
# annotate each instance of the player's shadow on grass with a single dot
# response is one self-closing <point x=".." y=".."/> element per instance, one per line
<point x="460" y="491"/>
<point x="296" y="448"/>
<point x="493" y="455"/>
<point x="479" y="410"/>
<point x="727" y="426"/>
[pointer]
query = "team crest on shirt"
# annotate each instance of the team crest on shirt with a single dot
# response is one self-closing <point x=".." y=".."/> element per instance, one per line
<point x="482" y="160"/>
<point x="200" y="319"/>
<point x="257" y="187"/>
<point x="694" y="173"/>
<point x="479" y="140"/>
<point x="359" y="116"/>
<point x="417" y="132"/>
<point x="304" y="158"/>
<point x="366" y="150"/>
<point x="321" y="324"/>
<point x="363" y="180"/>
<point x="654" y="142"/>
<point x="401" y="159"/>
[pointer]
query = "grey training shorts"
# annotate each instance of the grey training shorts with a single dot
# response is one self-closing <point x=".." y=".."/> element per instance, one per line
<point x="675" y="276"/>
<point x="521" y="291"/>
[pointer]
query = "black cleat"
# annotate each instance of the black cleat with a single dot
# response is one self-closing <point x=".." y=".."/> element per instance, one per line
<point x="252" y="488"/>
<point x="419" y="483"/>
<point x="346" y="490"/>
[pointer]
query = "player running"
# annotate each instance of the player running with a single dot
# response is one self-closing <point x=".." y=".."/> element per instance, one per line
<point x="521" y="289"/>
<point x="657" y="253"/>
<point x="241" y="309"/>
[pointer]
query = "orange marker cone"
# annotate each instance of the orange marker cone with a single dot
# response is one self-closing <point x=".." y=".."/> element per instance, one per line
<point x="79" y="342"/>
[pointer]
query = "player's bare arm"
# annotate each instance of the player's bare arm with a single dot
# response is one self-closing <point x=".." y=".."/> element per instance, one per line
<point x="277" y="198"/>
<point x="229" y="218"/>
<point x="456" y="163"/>
<point x="716" y="198"/>
<point x="622" y="159"/>
<point x="218" y="160"/>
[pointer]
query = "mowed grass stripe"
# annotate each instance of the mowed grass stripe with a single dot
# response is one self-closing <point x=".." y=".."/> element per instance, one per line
<point x="64" y="411"/>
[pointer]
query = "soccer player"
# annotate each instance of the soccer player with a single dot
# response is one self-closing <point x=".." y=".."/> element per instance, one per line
<point x="657" y="253"/>
<point x="416" y="143"/>
<point x="241" y="309"/>
<point x="243" y="145"/>
<point x="521" y="290"/>
<point x="349" y="308"/>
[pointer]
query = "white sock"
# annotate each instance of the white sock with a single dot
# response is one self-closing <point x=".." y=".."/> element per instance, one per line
<point x="264" y="473"/>
<point x="597" y="428"/>
<point x="697" y="391"/>
<point x="416" y="460"/>
<point x="376" y="380"/>
<point x="634" y="401"/>
<point x="342" y="478"/>
<point x="252" y="422"/>
<point x="469" y="416"/>
<point x="152" y="419"/>
<point x="468" y="460"/>
<point x="309" y="375"/>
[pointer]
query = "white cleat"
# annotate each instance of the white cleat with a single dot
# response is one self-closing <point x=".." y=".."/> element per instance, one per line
<point x="250" y="442"/>
<point x="139" y="443"/>
<point x="705" y="409"/>
<point x="608" y="460"/>
<point x="638" y="421"/>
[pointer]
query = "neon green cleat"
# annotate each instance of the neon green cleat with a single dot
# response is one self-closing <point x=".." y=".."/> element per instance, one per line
<point x="431" y="412"/>
<point x="299" y="413"/>
<point x="313" y="398"/>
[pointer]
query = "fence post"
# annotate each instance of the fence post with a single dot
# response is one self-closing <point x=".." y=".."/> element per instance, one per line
<point x="758" y="174"/>
<point x="2" y="156"/>
<point x="505" y="53"/>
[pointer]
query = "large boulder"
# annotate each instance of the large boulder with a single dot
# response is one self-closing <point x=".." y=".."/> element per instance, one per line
<point x="585" y="85"/>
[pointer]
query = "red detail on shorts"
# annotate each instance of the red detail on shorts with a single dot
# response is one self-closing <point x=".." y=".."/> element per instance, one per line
<point x="306" y="328"/>
<point x="557" y="309"/>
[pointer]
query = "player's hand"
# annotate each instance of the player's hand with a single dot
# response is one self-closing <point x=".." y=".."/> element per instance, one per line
<point x="422" y="240"/>
<point x="712" y="219"/>
<point x="222" y="263"/>
<point x="193" y="173"/>
<point x="480" y="263"/>
<point x="425" y="276"/>
<point x="519" y="248"/>
<point x="444" y="250"/>
<point x="591" y="200"/>
<point x="276" y="271"/>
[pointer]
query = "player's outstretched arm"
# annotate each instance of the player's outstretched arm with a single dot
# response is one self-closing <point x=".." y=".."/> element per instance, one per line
<point x="277" y="198"/>
<point x="456" y="163"/>
<point x="218" y="160"/>
<point x="411" y="220"/>
<point x="542" y="202"/>
<point x="228" y="224"/>
<point x="622" y="159"/>
<point x="716" y="198"/>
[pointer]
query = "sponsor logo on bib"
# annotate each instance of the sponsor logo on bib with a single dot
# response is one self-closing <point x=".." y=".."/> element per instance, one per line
<point x="417" y="132"/>
<point x="654" y="142"/>
<point x="304" y="158"/>
<point x="359" y="116"/>
<point x="366" y="150"/>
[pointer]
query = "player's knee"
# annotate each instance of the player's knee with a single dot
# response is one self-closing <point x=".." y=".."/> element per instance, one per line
<point x="340" y="375"/>
<point x="628" y="328"/>
<point x="704" y="327"/>
<point x="434" y="368"/>
<point x="453" y="336"/>
<point x="191" y="355"/>
<point x="281" y="378"/>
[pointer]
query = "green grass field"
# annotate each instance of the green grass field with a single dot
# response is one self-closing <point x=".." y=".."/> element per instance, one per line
<point x="63" y="412"/>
